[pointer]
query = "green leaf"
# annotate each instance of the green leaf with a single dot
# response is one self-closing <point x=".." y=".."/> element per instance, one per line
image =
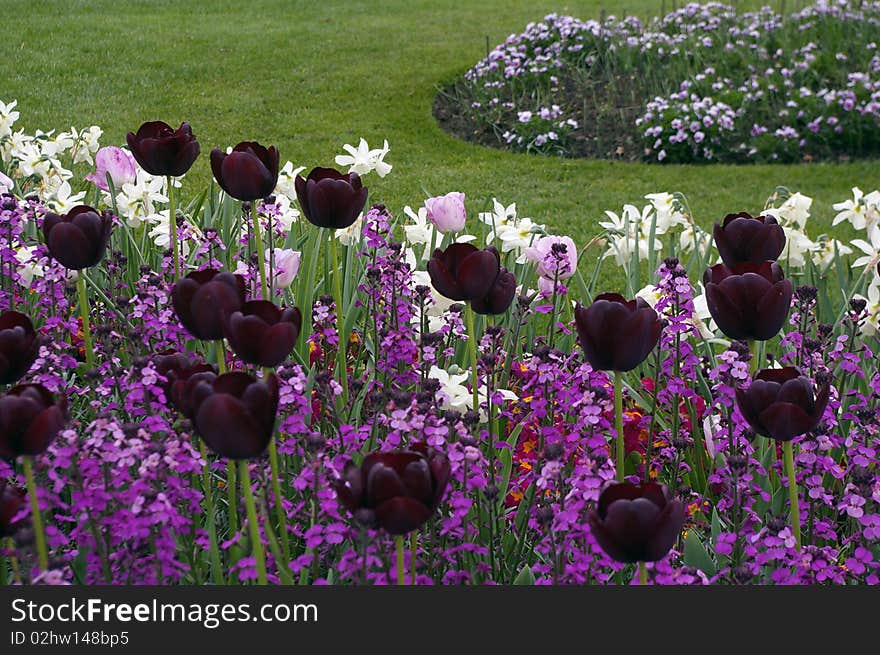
<point x="716" y="525"/>
<point x="525" y="577"/>
<point x="696" y="555"/>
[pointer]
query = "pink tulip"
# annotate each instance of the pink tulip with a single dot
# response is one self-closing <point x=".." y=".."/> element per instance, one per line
<point x="447" y="212"/>
<point x="116" y="161"/>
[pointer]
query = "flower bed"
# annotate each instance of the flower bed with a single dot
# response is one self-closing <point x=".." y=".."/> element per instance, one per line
<point x="287" y="384"/>
<point x="702" y="83"/>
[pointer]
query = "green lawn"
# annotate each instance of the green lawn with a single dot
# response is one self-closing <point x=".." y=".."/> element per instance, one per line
<point x="309" y="77"/>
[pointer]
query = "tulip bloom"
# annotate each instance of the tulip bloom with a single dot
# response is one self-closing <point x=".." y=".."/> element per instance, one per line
<point x="331" y="199"/>
<point x="617" y="334"/>
<point x="781" y="404"/>
<point x="30" y="418"/>
<point x="234" y="413"/>
<point x="749" y="301"/>
<point x="203" y="298"/>
<point x="249" y="172"/>
<point x="78" y="239"/>
<point x="447" y="213"/>
<point x="11" y="502"/>
<point x="163" y="151"/>
<point x="636" y="522"/>
<point x="463" y="272"/>
<point x="262" y="334"/>
<point x="186" y="381"/>
<point x="746" y="238"/>
<point x="170" y="363"/>
<point x="19" y="346"/>
<point x="396" y="491"/>
<point x="118" y="163"/>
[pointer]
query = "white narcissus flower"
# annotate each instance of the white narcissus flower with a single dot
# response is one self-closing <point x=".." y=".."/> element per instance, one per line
<point x="871" y="249"/>
<point x="871" y="326"/>
<point x="438" y="306"/>
<point x="798" y="247"/>
<point x="63" y="200"/>
<point x="693" y="236"/>
<point x="6" y="184"/>
<point x="824" y="254"/>
<point x="863" y="211"/>
<point x="28" y="268"/>
<point x="8" y="116"/>
<point x="161" y="232"/>
<point x="457" y="395"/>
<point x="650" y="294"/>
<point x="668" y="212"/>
<point x="362" y="160"/>
<point x="421" y="230"/>
<point x="795" y="211"/>
<point x="286" y="179"/>
<point x="351" y="235"/>
<point x="135" y="202"/>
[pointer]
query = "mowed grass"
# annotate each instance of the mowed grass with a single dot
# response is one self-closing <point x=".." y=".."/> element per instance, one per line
<point x="311" y="76"/>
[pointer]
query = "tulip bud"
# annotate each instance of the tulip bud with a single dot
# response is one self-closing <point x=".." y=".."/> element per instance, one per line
<point x="447" y="213"/>
<point x="262" y="334"/>
<point x="617" y="334"/>
<point x="19" y="346"/>
<point x="30" y="418"/>
<point x="163" y="151"/>
<point x="746" y="238"/>
<point x="78" y="239"/>
<point x="331" y="199"/>
<point x="249" y="172"/>
<point x="781" y="403"/>
<point x="203" y="298"/>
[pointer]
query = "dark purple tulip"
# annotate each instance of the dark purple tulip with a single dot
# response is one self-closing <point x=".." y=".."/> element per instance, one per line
<point x="636" y="522"/>
<point x="396" y="491"/>
<point x="781" y="403"/>
<point x="262" y="334"/>
<point x="19" y="346"/>
<point x="170" y="363"/>
<point x="617" y="334"/>
<point x="234" y="413"/>
<point x="249" y="172"/>
<point x="749" y="301"/>
<point x="78" y="239"/>
<point x="463" y="272"/>
<point x="161" y="150"/>
<point x="30" y="418"/>
<point x="203" y="299"/>
<point x="500" y="295"/>
<point x="186" y="384"/>
<point x="746" y="238"/>
<point x="329" y="198"/>
<point x="12" y="499"/>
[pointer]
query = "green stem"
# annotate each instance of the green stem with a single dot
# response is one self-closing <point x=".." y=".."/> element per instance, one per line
<point x="172" y="225"/>
<point x="280" y="514"/>
<point x="753" y="362"/>
<point x="261" y="256"/>
<point x="413" y="547"/>
<point x="253" y="525"/>
<point x="340" y="324"/>
<point x="36" y="517"/>
<point x="84" y="313"/>
<point x="221" y="356"/>
<point x="472" y="351"/>
<point x="216" y="565"/>
<point x="401" y="568"/>
<point x="618" y="423"/>
<point x="231" y="497"/>
<point x="643" y="574"/>
<point x="788" y="452"/>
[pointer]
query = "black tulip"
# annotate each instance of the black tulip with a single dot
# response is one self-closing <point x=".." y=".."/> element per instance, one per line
<point x="78" y="239"/>
<point x="746" y="238"/>
<point x="202" y="300"/>
<point x="249" y="172"/>
<point x="749" y="301"/>
<point x="262" y="334"/>
<point x="617" y="334"/>
<point x="161" y="150"/>
<point x="782" y="404"/>
<point x="19" y="346"/>
<point x="331" y="199"/>
<point x="30" y="418"/>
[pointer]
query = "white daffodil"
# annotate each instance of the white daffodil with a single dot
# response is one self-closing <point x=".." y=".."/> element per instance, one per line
<point x="871" y="326"/>
<point x="286" y="181"/>
<point x="439" y="304"/>
<point x="668" y="212"/>
<point x="161" y="232"/>
<point x="650" y="294"/>
<point x="824" y="254"/>
<point x="362" y="160"/>
<point x="420" y="230"/>
<point x="352" y="234"/>
<point x="798" y="247"/>
<point x="85" y="144"/>
<point x="28" y="268"/>
<point x="795" y="211"/>
<point x="8" y="116"/>
<point x="457" y="395"/>
<point x="871" y="249"/>
<point x="516" y="238"/>
<point x="694" y="237"/>
<point x="135" y="202"/>
<point x="6" y="184"/>
<point x="861" y="211"/>
<point x="63" y="200"/>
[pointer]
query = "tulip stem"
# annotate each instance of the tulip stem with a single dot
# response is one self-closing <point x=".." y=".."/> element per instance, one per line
<point x="261" y="256"/>
<point x="36" y="517"/>
<point x="643" y="574"/>
<point x="472" y="350"/>
<point x="618" y="423"/>
<point x="253" y="525"/>
<point x="340" y="327"/>
<point x="788" y="452"/>
<point x="84" y="313"/>
<point x="216" y="566"/>
<point x="753" y="361"/>
<point x="413" y="549"/>
<point x="280" y="514"/>
<point x="401" y="565"/>
<point x="172" y="228"/>
<point x="221" y="356"/>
